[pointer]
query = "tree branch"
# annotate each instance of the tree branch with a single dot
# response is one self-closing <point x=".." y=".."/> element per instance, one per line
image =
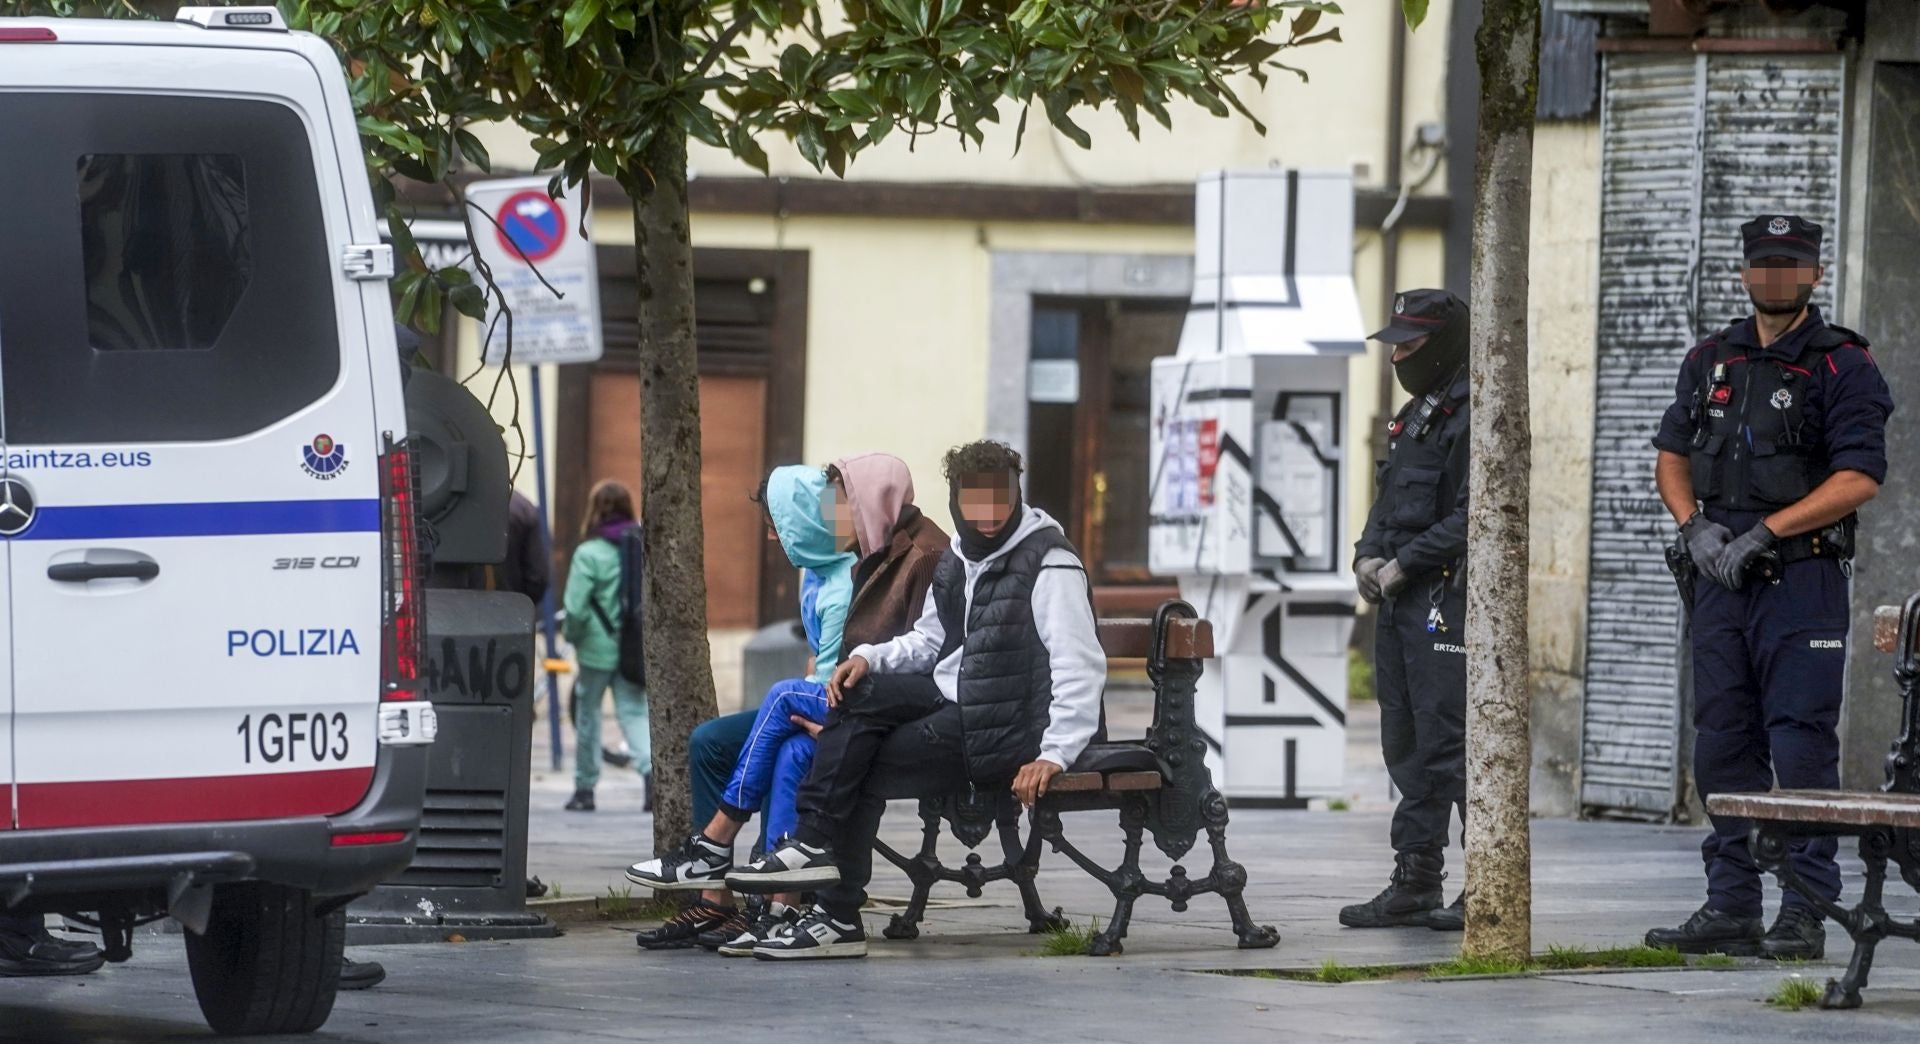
<point x="720" y="45"/>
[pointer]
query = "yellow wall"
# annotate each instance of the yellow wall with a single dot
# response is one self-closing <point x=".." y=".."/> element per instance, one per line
<point x="1562" y="321"/>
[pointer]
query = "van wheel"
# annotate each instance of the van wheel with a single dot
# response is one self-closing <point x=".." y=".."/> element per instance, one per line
<point x="267" y="963"/>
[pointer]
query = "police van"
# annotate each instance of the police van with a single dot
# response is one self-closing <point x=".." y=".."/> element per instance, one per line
<point x="212" y="615"/>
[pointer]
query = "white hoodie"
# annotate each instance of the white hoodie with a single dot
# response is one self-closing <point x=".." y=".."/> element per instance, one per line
<point x="1062" y="613"/>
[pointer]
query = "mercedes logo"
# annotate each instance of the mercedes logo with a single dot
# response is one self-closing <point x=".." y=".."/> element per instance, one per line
<point x="16" y="506"/>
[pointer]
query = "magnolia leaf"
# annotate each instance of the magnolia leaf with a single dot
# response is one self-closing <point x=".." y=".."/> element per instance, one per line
<point x="1415" y="12"/>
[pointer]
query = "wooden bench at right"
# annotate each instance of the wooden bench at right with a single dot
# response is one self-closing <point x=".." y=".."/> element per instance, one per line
<point x="1886" y="822"/>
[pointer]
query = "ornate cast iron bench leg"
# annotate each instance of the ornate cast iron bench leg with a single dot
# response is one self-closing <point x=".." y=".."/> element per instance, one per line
<point x="1023" y="866"/>
<point x="1230" y="879"/>
<point x="924" y="870"/>
<point x="1867" y="923"/>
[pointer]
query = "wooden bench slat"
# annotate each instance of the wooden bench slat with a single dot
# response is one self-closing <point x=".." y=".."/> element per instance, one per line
<point x="1886" y="628"/>
<point x="1133" y="639"/>
<point x="1845" y="807"/>
<point x="1076" y="783"/>
<point x="1133" y="781"/>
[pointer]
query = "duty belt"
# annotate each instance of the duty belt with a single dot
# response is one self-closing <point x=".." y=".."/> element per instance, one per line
<point x="1835" y="541"/>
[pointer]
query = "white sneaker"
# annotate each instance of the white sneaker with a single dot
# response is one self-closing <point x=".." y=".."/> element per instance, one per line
<point x="775" y="918"/>
<point x="698" y="864"/>
<point x="790" y="867"/>
<point x="817" y="936"/>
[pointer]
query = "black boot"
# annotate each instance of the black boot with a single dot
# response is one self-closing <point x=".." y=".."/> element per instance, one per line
<point x="361" y="975"/>
<point x="1710" y="931"/>
<point x="582" y="801"/>
<point x="1451" y="918"/>
<point x="1413" y="894"/>
<point x="1797" y="934"/>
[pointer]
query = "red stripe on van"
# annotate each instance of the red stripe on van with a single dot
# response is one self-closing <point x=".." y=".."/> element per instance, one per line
<point x="132" y="802"/>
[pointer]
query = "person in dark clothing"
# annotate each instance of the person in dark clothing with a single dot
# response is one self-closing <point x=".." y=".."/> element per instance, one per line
<point x="899" y="548"/>
<point x="28" y="949"/>
<point x="997" y="685"/>
<point x="1775" y="438"/>
<point x="1410" y="561"/>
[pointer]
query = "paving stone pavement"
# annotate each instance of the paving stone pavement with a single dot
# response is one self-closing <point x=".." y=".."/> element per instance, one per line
<point x="975" y="973"/>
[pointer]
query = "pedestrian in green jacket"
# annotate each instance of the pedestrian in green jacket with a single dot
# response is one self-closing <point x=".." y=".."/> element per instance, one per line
<point x="593" y="580"/>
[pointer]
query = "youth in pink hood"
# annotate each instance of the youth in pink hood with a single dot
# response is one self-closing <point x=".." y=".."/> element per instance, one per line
<point x="878" y="485"/>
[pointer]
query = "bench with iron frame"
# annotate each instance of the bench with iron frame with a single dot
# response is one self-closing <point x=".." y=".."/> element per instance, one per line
<point x="1159" y="785"/>
<point x="1887" y="822"/>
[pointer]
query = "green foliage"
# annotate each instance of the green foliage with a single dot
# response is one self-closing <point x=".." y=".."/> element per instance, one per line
<point x="1069" y="941"/>
<point x="1465" y="965"/>
<point x="1573" y="958"/>
<point x="1415" y="12"/>
<point x="1359" y="678"/>
<point x="1715" y="960"/>
<point x="595" y="81"/>
<point x="1795" y="993"/>
<point x="1338" y="805"/>
<point x="617" y="904"/>
<point x="1332" y="971"/>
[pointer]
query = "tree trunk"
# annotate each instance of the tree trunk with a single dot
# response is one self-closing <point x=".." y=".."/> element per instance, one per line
<point x="679" y="664"/>
<point x="1499" y="853"/>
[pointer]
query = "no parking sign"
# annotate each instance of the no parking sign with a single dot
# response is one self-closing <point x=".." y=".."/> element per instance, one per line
<point x="526" y="237"/>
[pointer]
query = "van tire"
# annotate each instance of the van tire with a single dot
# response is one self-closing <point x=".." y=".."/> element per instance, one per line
<point x="268" y="962"/>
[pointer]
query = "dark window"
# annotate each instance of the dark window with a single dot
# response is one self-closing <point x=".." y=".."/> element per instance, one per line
<point x="164" y="239"/>
<point x="167" y="274"/>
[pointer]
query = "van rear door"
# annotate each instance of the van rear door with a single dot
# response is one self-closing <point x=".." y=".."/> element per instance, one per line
<point x="196" y="607"/>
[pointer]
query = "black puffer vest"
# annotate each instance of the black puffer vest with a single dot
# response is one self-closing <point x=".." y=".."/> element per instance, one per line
<point x="1006" y="681"/>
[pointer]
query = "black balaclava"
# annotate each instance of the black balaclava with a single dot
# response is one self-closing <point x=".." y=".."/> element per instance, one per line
<point x="1438" y="359"/>
<point x="975" y="544"/>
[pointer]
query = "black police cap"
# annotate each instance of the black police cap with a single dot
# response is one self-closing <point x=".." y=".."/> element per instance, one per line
<point x="1417" y="313"/>
<point x="1782" y="235"/>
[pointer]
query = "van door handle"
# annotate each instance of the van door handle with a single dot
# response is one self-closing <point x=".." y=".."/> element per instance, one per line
<point x="81" y="572"/>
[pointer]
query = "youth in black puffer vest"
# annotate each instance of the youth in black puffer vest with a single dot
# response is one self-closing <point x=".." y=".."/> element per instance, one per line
<point x="1006" y="681"/>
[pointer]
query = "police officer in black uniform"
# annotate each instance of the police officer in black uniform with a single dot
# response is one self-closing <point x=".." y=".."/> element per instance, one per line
<point x="1410" y="561"/>
<point x="1777" y="434"/>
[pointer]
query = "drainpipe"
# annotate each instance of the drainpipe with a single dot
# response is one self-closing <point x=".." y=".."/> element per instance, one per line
<point x="1390" y="238"/>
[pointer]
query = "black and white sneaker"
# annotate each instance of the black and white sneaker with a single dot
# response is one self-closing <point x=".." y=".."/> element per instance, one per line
<point x="775" y="917"/>
<point x="698" y="864"/>
<point x="791" y="867"/>
<point x="817" y="936"/>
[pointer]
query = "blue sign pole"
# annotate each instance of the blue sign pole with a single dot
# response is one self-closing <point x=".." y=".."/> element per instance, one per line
<point x="546" y="549"/>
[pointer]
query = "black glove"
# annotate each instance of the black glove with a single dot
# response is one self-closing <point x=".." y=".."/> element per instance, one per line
<point x="1393" y="579"/>
<point x="1730" y="568"/>
<point x="1366" y="577"/>
<point x="1703" y="541"/>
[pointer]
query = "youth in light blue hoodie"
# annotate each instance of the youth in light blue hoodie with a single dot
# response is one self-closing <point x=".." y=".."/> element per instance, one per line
<point x="778" y="754"/>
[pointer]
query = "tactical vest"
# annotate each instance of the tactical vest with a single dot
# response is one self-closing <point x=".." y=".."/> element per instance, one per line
<point x="1006" y="678"/>
<point x="1756" y="447"/>
<point x="1420" y="481"/>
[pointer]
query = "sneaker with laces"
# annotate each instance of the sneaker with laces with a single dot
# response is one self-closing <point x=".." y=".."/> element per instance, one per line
<point x="698" y="864"/>
<point x="817" y="936"/>
<point x="792" y="866"/>
<point x="724" y="933"/>
<point x="775" y="917"/>
<point x="679" y="931"/>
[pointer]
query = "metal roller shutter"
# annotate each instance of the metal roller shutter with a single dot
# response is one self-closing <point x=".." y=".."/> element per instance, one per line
<point x="1692" y="146"/>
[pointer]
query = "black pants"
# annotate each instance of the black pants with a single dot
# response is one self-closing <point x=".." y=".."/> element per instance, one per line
<point x="1768" y="665"/>
<point x="894" y="737"/>
<point x="1420" y="678"/>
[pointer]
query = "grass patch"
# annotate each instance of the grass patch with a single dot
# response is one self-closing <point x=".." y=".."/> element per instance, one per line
<point x="1715" y="960"/>
<point x="1069" y="941"/>
<point x="1574" y="958"/>
<point x="1795" y="993"/>
<point x="1338" y="805"/>
<point x="618" y="904"/>
<point x="1335" y="972"/>
<point x="1359" y="677"/>
<point x="1465" y="965"/>
<point x="554" y="891"/>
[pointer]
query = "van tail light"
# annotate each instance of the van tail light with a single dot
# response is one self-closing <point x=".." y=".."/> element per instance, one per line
<point x="27" y="34"/>
<point x="403" y="637"/>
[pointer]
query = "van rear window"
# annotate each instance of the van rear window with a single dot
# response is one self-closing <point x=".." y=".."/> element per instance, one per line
<point x="166" y="273"/>
<point x="164" y="240"/>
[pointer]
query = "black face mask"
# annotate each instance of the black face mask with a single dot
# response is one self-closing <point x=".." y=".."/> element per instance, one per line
<point x="1438" y="359"/>
<point x="975" y="544"/>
